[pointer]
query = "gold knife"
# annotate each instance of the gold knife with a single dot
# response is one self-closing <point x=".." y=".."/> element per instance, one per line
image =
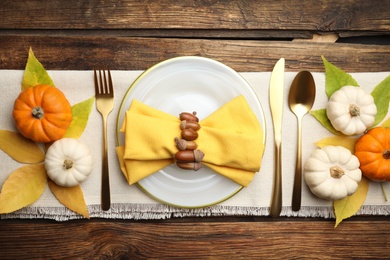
<point x="276" y="98"/>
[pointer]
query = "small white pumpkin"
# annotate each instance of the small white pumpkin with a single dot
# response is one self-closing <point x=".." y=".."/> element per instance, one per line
<point x="351" y="110"/>
<point x="68" y="162"/>
<point x="332" y="173"/>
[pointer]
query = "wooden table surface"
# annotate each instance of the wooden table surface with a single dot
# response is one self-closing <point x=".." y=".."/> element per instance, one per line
<point x="246" y="35"/>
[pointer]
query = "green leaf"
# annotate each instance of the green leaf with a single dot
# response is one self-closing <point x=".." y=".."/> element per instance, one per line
<point x="381" y="94"/>
<point x="23" y="187"/>
<point x="20" y="148"/>
<point x="80" y="114"/>
<point x="348" y="206"/>
<point x="35" y="73"/>
<point x="336" y="78"/>
<point x="320" y="115"/>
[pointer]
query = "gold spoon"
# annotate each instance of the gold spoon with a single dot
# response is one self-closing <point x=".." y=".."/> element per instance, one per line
<point x="300" y="99"/>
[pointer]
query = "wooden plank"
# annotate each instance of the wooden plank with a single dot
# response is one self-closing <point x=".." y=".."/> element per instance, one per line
<point x="178" y="239"/>
<point x="320" y="16"/>
<point x="168" y="33"/>
<point x="122" y="53"/>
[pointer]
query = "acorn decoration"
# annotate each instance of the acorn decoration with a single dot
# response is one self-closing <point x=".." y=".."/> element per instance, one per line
<point x="188" y="157"/>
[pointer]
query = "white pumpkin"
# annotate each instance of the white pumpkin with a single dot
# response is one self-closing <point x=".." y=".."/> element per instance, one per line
<point x="68" y="162"/>
<point x="332" y="173"/>
<point x="351" y="110"/>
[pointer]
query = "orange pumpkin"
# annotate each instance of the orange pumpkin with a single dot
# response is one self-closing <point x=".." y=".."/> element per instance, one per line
<point x="373" y="152"/>
<point x="42" y="113"/>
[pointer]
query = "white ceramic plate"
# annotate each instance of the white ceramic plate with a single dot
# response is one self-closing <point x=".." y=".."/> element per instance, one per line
<point x="189" y="84"/>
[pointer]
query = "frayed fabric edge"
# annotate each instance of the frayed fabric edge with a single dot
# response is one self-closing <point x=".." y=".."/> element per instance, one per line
<point x="159" y="211"/>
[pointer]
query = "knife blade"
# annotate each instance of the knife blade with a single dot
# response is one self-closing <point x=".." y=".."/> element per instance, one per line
<point x="276" y="98"/>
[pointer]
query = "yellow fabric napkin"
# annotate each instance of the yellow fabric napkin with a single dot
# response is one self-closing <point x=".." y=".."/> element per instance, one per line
<point x="231" y="139"/>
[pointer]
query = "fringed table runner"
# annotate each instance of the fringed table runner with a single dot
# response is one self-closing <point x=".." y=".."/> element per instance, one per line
<point x="129" y="202"/>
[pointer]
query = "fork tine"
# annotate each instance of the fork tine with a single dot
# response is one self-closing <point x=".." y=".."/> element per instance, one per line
<point x="96" y="81"/>
<point x="110" y="85"/>
<point x="104" y="83"/>
<point x="101" y="85"/>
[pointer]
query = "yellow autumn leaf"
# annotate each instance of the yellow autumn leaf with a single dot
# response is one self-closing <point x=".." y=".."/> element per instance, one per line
<point x="20" y="148"/>
<point x="386" y="123"/>
<point x="70" y="197"/>
<point x="346" y="142"/>
<point x="23" y="187"/>
<point x="348" y="206"/>
<point x="35" y="73"/>
<point x="80" y="115"/>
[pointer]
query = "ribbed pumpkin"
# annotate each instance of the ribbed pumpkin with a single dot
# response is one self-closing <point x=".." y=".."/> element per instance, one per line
<point x="351" y="110"/>
<point x="68" y="162"/>
<point x="373" y="152"/>
<point x="332" y="172"/>
<point x="42" y="113"/>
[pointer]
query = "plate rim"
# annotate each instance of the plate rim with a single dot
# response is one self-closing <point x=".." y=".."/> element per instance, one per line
<point x="144" y="74"/>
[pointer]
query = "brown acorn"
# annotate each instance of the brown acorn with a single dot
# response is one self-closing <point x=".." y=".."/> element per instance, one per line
<point x="189" y="165"/>
<point x="188" y="116"/>
<point x="182" y="144"/>
<point x="184" y="124"/>
<point x="189" y="156"/>
<point x="189" y="134"/>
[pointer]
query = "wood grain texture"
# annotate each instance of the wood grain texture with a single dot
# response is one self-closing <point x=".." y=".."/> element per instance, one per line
<point x="325" y="15"/>
<point x="248" y="35"/>
<point x="122" y="53"/>
<point x="185" y="240"/>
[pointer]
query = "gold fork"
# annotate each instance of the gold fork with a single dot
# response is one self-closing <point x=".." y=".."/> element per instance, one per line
<point x="104" y="92"/>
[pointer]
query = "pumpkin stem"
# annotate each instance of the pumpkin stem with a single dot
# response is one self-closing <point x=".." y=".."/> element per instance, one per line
<point x="37" y="112"/>
<point x="336" y="172"/>
<point x="354" y="110"/>
<point x="67" y="164"/>
<point x="386" y="154"/>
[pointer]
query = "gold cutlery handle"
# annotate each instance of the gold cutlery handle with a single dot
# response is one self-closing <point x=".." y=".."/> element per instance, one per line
<point x="276" y="202"/>
<point x="297" y="189"/>
<point x="106" y="197"/>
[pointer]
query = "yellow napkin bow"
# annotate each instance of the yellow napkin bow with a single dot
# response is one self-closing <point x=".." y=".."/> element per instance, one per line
<point x="231" y="139"/>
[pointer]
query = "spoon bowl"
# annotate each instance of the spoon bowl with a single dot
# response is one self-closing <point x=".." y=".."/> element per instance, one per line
<point x="300" y="99"/>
